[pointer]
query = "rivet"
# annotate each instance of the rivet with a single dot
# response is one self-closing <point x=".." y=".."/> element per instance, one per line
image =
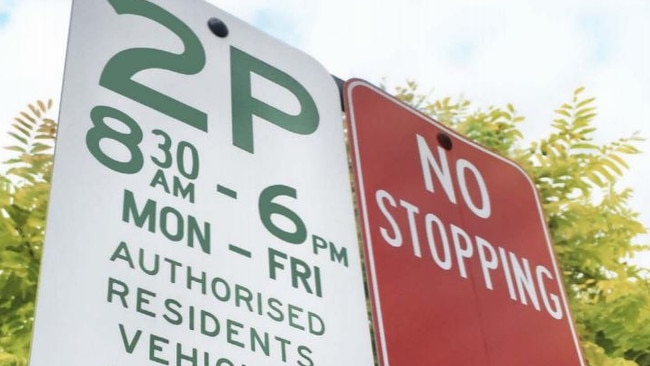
<point x="218" y="27"/>
<point x="445" y="141"/>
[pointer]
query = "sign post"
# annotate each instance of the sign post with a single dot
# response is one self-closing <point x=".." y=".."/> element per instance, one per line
<point x="460" y="263"/>
<point x="200" y="211"/>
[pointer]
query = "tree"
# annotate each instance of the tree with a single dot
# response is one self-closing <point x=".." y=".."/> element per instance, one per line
<point x="24" y="189"/>
<point x="591" y="224"/>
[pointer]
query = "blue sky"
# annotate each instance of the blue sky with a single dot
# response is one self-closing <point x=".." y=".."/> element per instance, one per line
<point x="278" y="24"/>
<point x="5" y="11"/>
<point x="598" y="29"/>
<point x="530" y="53"/>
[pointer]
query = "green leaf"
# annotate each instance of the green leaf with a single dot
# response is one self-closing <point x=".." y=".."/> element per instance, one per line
<point x="40" y="148"/>
<point x="28" y="117"/>
<point x="21" y="130"/>
<point x="43" y="137"/>
<point x="24" y="124"/>
<point x="19" y="138"/>
<point x="15" y="148"/>
<point x="585" y="102"/>
<point x="595" y="179"/>
<point x="618" y="160"/>
<point x="628" y="149"/>
<point x="586" y="117"/>
<point x="612" y="166"/>
<point x="584" y="145"/>
<point x="587" y="131"/>
<point x="585" y="111"/>
<point x="36" y="112"/>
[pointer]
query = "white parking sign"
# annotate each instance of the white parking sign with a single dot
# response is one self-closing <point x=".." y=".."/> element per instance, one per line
<point x="200" y="212"/>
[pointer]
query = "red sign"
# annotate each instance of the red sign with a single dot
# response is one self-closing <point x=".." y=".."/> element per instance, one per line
<point x="461" y="267"/>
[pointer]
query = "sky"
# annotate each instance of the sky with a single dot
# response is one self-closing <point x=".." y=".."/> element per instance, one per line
<point x="530" y="53"/>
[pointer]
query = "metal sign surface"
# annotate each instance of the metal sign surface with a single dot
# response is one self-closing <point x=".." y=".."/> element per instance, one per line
<point x="461" y="267"/>
<point x="200" y="211"/>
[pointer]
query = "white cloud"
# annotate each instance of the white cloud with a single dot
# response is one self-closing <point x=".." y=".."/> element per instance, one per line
<point x="530" y="53"/>
<point x="33" y="50"/>
<point x="6" y="5"/>
<point x="533" y="54"/>
<point x="288" y="20"/>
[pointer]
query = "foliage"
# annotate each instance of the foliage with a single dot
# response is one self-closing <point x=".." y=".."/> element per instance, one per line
<point x="24" y="189"/>
<point x="590" y="221"/>
<point x="591" y="224"/>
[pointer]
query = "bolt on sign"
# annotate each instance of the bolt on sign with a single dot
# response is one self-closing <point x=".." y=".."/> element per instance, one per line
<point x="460" y="264"/>
<point x="201" y="210"/>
